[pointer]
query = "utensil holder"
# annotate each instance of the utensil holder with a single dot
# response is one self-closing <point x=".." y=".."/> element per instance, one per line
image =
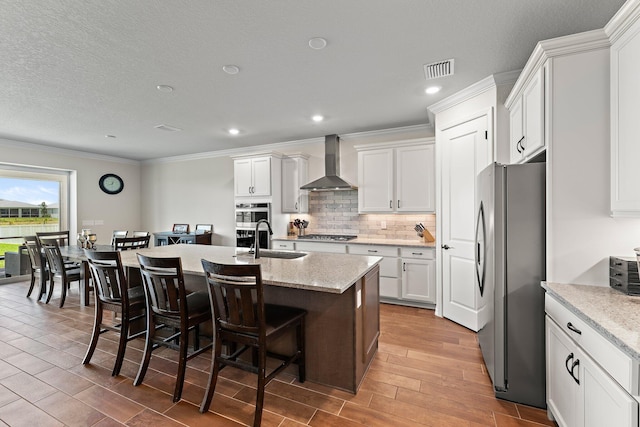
<point x="427" y="236"/>
<point x="300" y="231"/>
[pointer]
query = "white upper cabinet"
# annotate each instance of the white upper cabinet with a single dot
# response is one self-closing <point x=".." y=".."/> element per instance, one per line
<point x="527" y="119"/>
<point x="397" y="177"/>
<point x="252" y="176"/>
<point x="625" y="111"/>
<point x="294" y="174"/>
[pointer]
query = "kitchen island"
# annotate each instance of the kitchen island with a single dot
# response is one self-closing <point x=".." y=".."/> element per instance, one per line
<point x="340" y="293"/>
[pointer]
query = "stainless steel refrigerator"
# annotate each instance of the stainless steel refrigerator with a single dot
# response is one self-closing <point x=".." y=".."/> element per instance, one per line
<point x="510" y="263"/>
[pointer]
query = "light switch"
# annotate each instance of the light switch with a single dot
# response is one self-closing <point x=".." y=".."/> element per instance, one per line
<point x="383" y="225"/>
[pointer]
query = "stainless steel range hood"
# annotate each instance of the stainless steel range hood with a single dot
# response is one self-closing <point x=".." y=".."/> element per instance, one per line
<point x="330" y="181"/>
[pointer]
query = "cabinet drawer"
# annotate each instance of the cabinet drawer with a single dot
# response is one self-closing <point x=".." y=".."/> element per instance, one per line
<point x="373" y="250"/>
<point x="628" y="264"/>
<point x="616" y="363"/>
<point x="419" y="253"/>
<point x="281" y="244"/>
<point x="321" y="247"/>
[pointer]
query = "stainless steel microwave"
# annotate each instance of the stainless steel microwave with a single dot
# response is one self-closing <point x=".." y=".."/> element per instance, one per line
<point x="248" y="214"/>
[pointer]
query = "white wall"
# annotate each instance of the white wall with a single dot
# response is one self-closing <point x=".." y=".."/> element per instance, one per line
<point x="121" y="211"/>
<point x="581" y="235"/>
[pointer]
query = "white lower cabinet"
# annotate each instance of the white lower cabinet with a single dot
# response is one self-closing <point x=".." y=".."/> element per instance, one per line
<point x="580" y="391"/>
<point x="389" y="267"/>
<point x="337" y="248"/>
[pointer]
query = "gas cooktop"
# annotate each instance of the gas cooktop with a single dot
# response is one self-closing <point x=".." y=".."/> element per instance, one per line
<point x="334" y="237"/>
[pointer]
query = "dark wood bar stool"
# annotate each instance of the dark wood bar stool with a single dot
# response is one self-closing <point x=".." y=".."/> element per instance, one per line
<point x="243" y="319"/>
<point x="67" y="273"/>
<point x="113" y="294"/>
<point x="169" y="306"/>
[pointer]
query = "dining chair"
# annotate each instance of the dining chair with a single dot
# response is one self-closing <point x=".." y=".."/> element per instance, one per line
<point x="67" y="273"/>
<point x="241" y="318"/>
<point x="113" y="294"/>
<point x="140" y="234"/>
<point x="125" y="243"/>
<point x="39" y="268"/>
<point x="169" y="306"/>
<point x="118" y="233"/>
<point x="62" y="237"/>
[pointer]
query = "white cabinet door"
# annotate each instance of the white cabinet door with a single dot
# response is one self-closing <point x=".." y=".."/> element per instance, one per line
<point x="261" y="169"/>
<point x="533" y="103"/>
<point x="562" y="388"/>
<point x="419" y="280"/>
<point x="294" y="174"/>
<point x="242" y="177"/>
<point x="602" y="402"/>
<point x="375" y="181"/>
<point x="466" y="151"/>
<point x="625" y="110"/>
<point x="516" y="135"/>
<point x="415" y="179"/>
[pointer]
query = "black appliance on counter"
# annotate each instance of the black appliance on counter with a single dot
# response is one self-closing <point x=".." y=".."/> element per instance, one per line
<point x="247" y="216"/>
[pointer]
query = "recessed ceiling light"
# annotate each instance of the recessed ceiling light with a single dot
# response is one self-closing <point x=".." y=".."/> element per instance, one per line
<point x="433" y="89"/>
<point x="109" y="136"/>
<point x="164" y="88"/>
<point x="231" y="69"/>
<point x="234" y="131"/>
<point x="317" y="118"/>
<point x="317" y="43"/>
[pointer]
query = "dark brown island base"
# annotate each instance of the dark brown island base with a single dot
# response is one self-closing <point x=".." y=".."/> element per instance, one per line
<point x="339" y="292"/>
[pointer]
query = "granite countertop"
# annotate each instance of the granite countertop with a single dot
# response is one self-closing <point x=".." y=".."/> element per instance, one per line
<point x="417" y="243"/>
<point x="614" y="314"/>
<point x="324" y="272"/>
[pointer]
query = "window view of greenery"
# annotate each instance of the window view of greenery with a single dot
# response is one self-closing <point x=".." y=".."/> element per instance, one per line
<point x="26" y="207"/>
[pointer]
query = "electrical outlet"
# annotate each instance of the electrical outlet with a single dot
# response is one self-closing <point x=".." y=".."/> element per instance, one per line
<point x="383" y="225"/>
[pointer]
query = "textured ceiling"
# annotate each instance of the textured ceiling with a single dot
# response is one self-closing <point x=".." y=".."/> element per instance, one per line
<point x="75" y="71"/>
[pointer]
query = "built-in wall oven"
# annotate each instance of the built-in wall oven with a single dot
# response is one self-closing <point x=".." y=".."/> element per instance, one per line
<point x="247" y="216"/>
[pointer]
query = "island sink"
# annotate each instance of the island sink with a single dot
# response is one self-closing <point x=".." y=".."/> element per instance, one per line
<point x="266" y="253"/>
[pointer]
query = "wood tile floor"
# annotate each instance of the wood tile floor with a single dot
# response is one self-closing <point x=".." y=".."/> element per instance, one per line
<point x="428" y="372"/>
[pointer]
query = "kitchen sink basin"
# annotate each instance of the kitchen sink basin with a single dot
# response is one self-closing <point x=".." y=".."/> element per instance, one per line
<point x="266" y="253"/>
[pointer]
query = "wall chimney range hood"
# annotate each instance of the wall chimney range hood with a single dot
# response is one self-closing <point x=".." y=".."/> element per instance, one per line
<point x="331" y="181"/>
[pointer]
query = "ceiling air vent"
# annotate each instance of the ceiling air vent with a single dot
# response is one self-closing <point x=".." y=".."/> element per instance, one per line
<point x="438" y="69"/>
<point x="168" y="128"/>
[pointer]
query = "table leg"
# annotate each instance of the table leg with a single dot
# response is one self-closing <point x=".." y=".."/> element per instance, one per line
<point x="85" y="277"/>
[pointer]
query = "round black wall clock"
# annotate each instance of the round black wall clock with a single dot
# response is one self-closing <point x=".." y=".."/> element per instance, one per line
<point x="111" y="183"/>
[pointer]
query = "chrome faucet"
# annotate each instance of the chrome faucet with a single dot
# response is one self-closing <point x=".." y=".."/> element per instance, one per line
<point x="257" y="242"/>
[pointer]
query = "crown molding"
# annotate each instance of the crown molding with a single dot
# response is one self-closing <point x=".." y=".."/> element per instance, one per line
<point x="560" y="46"/>
<point x="275" y="147"/>
<point x="31" y="146"/>
<point x="624" y="18"/>
<point x="474" y="90"/>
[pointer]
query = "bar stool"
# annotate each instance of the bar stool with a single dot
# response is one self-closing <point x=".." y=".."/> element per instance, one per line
<point x="169" y="306"/>
<point x="243" y="319"/>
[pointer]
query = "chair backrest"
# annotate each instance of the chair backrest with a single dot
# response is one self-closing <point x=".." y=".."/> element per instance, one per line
<point x="109" y="279"/>
<point x="163" y="282"/>
<point x="62" y="237"/>
<point x="118" y="233"/>
<point x="204" y="228"/>
<point x="54" y="257"/>
<point x="140" y="233"/>
<point x="235" y="291"/>
<point x="124" y="243"/>
<point x="35" y="252"/>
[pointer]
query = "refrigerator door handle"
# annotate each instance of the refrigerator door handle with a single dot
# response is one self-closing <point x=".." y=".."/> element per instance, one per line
<point x="481" y="248"/>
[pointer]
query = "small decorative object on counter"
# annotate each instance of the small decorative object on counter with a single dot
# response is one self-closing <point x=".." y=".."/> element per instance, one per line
<point x="301" y="225"/>
<point x="424" y="233"/>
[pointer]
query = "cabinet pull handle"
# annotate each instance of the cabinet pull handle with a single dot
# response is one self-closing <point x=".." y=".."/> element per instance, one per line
<point x="404" y="266"/>
<point x="519" y="145"/>
<point x="296" y="205"/>
<point x="398" y="204"/>
<point x="576" y="363"/>
<point x="566" y="363"/>
<point x="573" y="328"/>
<point x="390" y="204"/>
<point x="617" y="263"/>
<point x="372" y="250"/>
<point x="618" y="274"/>
<point x="416" y="253"/>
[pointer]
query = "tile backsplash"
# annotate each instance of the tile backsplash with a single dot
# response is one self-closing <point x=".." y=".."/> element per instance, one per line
<point x="336" y="212"/>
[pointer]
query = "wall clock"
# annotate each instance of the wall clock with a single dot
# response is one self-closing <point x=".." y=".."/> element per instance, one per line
<point x="111" y="183"/>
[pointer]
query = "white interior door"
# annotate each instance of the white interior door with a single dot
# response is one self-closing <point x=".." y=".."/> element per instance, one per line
<point x="466" y="150"/>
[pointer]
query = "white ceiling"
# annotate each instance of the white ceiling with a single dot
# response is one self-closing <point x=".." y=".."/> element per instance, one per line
<point x="75" y="71"/>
